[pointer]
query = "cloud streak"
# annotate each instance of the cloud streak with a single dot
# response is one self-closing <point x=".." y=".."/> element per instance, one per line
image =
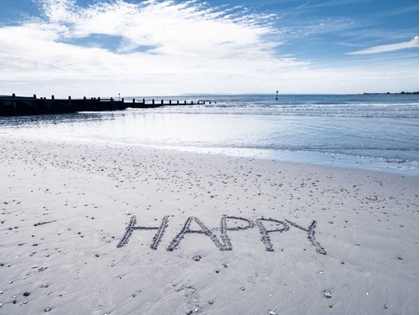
<point x="188" y="29"/>
<point x="178" y="41"/>
<point x="414" y="43"/>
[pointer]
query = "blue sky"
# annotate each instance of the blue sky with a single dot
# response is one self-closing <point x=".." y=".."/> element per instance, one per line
<point x="106" y="47"/>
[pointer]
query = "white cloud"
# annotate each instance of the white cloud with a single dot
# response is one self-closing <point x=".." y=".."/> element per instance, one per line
<point x="191" y="47"/>
<point x="414" y="43"/>
<point x="186" y="40"/>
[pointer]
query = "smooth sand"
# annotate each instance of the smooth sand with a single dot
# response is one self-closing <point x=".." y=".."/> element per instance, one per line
<point x="64" y="208"/>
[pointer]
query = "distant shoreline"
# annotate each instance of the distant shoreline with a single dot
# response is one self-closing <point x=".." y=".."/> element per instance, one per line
<point x="289" y="94"/>
<point x="388" y="93"/>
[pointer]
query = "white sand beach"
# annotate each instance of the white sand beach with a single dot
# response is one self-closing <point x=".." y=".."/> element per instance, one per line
<point x="65" y="206"/>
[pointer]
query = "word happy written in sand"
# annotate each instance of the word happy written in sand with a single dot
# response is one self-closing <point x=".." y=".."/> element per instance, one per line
<point x="224" y="244"/>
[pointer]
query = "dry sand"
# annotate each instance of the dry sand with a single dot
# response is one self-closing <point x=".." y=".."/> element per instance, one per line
<point x="65" y="206"/>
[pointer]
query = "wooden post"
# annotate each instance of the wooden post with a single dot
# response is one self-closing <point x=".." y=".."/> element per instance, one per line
<point x="69" y="106"/>
<point x="35" y="111"/>
<point x="134" y="101"/>
<point x="177" y="102"/>
<point x="144" y="101"/>
<point x="14" y="104"/>
<point x="44" y="102"/>
<point x="53" y="104"/>
<point x="161" y="102"/>
<point x="185" y="102"/>
<point x="153" y="101"/>
<point x="84" y="102"/>
<point x="170" y="102"/>
<point x="192" y="102"/>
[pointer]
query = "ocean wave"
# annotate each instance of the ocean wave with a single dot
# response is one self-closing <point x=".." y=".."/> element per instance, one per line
<point x="303" y="105"/>
<point x="285" y="112"/>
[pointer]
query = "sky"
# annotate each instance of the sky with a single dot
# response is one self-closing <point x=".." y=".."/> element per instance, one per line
<point x="160" y="47"/>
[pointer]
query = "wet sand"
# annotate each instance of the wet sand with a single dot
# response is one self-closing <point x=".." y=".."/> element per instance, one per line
<point x="208" y="235"/>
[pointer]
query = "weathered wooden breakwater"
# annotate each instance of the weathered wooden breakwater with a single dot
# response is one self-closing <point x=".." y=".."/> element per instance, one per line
<point x="21" y="105"/>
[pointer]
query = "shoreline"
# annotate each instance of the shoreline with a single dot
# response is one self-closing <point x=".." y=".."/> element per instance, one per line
<point x="66" y="206"/>
<point x="291" y="157"/>
<point x="338" y="141"/>
<point x="318" y="159"/>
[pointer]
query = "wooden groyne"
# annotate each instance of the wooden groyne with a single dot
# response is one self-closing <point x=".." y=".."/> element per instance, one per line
<point x="21" y="105"/>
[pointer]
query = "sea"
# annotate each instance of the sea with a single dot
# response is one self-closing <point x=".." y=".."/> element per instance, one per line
<point x="371" y="132"/>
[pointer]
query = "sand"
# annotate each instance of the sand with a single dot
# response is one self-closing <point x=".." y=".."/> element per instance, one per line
<point x="209" y="234"/>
